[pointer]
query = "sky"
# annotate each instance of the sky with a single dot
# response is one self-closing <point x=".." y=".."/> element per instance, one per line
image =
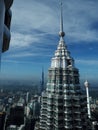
<point x="34" y="38"/>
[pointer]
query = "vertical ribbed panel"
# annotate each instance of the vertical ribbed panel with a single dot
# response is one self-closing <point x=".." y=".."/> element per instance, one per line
<point x="63" y="106"/>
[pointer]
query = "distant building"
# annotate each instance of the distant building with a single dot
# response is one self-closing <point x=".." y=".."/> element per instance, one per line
<point x="63" y="106"/>
<point x="35" y="107"/>
<point x="16" y="116"/>
<point x="28" y="97"/>
<point x="30" y="124"/>
<point x="95" y="125"/>
<point x="32" y="113"/>
<point x="2" y="120"/>
<point x="42" y="81"/>
<point x="14" y="127"/>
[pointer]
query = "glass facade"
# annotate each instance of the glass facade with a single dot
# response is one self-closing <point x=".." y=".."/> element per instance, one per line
<point x="63" y="105"/>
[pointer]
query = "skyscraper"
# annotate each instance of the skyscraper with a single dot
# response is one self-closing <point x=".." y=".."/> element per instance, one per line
<point x="16" y="116"/>
<point x="42" y="81"/>
<point x="5" y="22"/>
<point x="63" y="107"/>
<point x="2" y="120"/>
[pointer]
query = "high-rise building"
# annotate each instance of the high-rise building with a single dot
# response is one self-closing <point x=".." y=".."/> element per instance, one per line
<point x="5" y="21"/>
<point x="42" y="82"/>
<point x="16" y="116"/>
<point x="27" y="97"/>
<point x="2" y="120"/>
<point x="63" y="106"/>
<point x="41" y="86"/>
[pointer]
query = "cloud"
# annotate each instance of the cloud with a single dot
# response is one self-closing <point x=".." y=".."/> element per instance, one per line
<point x="88" y="36"/>
<point x="19" y="40"/>
<point x="87" y="62"/>
<point x="88" y="69"/>
<point x="28" y="54"/>
<point x="32" y="15"/>
<point x="78" y="18"/>
<point x="35" y="27"/>
<point x="17" y="62"/>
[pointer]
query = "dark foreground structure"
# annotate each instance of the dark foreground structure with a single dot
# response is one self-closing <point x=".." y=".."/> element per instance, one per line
<point x="5" y="23"/>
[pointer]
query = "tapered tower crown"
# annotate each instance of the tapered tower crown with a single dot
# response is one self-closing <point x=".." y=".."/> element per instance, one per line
<point x="63" y="106"/>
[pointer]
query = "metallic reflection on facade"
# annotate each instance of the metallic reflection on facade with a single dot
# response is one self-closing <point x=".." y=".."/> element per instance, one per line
<point x="5" y="22"/>
<point x="86" y="84"/>
<point x="63" y="106"/>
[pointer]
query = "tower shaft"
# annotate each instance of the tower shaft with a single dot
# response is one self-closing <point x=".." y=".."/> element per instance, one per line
<point x="88" y="102"/>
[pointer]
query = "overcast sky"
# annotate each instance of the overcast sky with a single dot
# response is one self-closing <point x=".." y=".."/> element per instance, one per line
<point x="35" y="28"/>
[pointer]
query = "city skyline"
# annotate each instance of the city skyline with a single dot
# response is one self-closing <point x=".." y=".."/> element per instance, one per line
<point x="35" y="28"/>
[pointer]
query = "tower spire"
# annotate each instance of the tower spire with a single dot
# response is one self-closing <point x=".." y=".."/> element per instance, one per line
<point x="42" y="82"/>
<point x="61" y="33"/>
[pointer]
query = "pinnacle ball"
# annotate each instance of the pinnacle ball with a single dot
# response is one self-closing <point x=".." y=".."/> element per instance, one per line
<point x="61" y="34"/>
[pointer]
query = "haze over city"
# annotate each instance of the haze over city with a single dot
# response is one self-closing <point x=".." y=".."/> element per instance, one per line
<point x="34" y="38"/>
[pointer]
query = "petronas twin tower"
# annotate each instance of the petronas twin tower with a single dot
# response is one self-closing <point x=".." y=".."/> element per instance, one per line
<point x="63" y="107"/>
